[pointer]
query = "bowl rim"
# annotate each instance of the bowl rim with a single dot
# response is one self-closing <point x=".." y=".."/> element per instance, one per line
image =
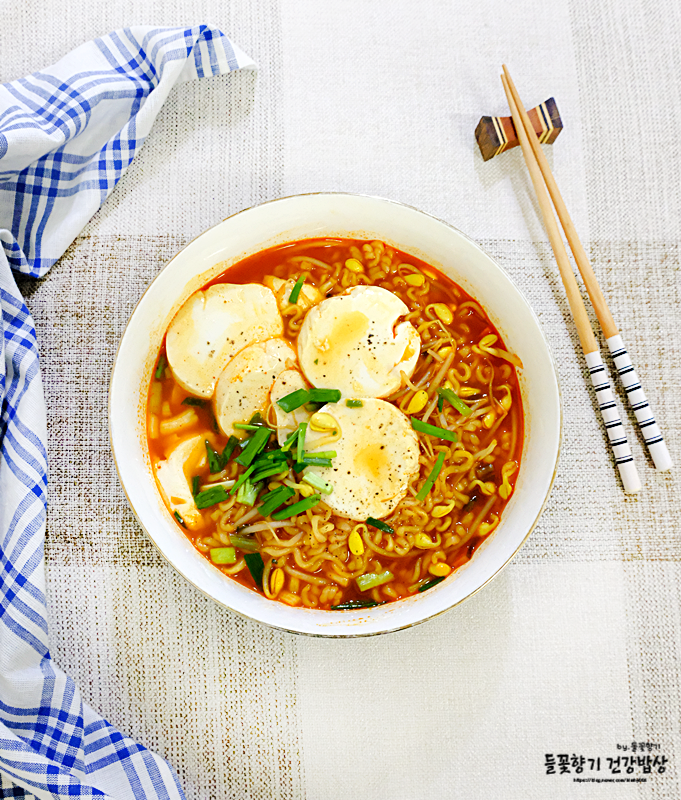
<point x="331" y="634"/>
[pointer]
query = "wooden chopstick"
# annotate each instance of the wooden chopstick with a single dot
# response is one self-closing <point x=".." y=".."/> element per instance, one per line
<point x="606" y="401"/>
<point x="632" y="385"/>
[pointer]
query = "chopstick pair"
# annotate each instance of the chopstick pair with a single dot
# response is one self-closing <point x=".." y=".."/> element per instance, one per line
<point x="540" y="172"/>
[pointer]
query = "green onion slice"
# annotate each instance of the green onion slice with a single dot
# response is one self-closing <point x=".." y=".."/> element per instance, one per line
<point x="256" y="443"/>
<point x="290" y="402"/>
<point x="302" y="430"/>
<point x="354" y="403"/>
<point x="350" y="604"/>
<point x="429" y="584"/>
<point x="240" y="480"/>
<point x="194" y="401"/>
<point x="381" y="526"/>
<point x="277" y="469"/>
<point x="226" y="454"/>
<point x="160" y="368"/>
<point x="295" y="292"/>
<point x="440" y="403"/>
<point x="430" y="480"/>
<point x="290" y="440"/>
<point x="256" y="419"/>
<point x="256" y="566"/>
<point x="320" y="454"/>
<point x="314" y="461"/>
<point x="214" y="461"/>
<point x="211" y="497"/>
<point x="325" y="395"/>
<point x="433" y="430"/>
<point x="297" y="508"/>
<point x="318" y="482"/>
<point x="371" y="580"/>
<point x="245" y="426"/>
<point x="247" y="543"/>
<point x="223" y="555"/>
<point x="179" y="519"/>
<point x="455" y="401"/>
<point x="247" y="493"/>
<point x="272" y="500"/>
<point x="196" y="480"/>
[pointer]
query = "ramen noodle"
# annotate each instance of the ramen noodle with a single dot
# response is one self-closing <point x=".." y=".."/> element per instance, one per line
<point x="362" y="437"/>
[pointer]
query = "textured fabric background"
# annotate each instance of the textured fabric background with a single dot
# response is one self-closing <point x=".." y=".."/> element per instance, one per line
<point x="576" y="646"/>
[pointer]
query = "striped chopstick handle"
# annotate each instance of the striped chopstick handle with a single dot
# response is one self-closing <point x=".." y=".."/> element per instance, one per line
<point x="613" y="424"/>
<point x="639" y="403"/>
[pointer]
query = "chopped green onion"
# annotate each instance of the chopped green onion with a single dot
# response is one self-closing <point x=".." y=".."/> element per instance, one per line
<point x="302" y="429"/>
<point x="325" y="395"/>
<point x="272" y="500"/>
<point x="245" y="426"/>
<point x="211" y="497"/>
<point x="160" y="368"/>
<point x="256" y="566"/>
<point x="318" y="483"/>
<point x="297" y="508"/>
<point x="196" y="480"/>
<point x="320" y="454"/>
<point x="312" y="407"/>
<point x="315" y="461"/>
<point x="349" y="604"/>
<point x="381" y="526"/>
<point x="440" y="403"/>
<point x="272" y="455"/>
<point x="214" y="462"/>
<point x="354" y="403"/>
<point x="244" y="476"/>
<point x="247" y="493"/>
<point x="456" y="401"/>
<point x="429" y="584"/>
<point x="178" y="517"/>
<point x="194" y="401"/>
<point x="430" y="480"/>
<point x="277" y="469"/>
<point x="232" y="442"/>
<point x="295" y="292"/>
<point x="294" y="400"/>
<point x="316" y="361"/>
<point x="255" y="445"/>
<point x="247" y="543"/>
<point x="290" y="439"/>
<point x="256" y="419"/>
<point x="223" y="555"/>
<point x="433" y="430"/>
<point x="370" y="580"/>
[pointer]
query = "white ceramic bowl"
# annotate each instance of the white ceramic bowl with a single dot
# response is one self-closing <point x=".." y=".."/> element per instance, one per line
<point x="345" y="215"/>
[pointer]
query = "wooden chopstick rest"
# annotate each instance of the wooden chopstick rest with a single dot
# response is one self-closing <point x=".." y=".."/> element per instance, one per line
<point x="494" y="135"/>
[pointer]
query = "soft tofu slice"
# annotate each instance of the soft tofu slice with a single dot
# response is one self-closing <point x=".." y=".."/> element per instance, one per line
<point x="245" y="384"/>
<point x="377" y="456"/>
<point x="213" y="326"/>
<point x="289" y="381"/>
<point x="309" y="295"/>
<point x="175" y="483"/>
<point x="350" y="342"/>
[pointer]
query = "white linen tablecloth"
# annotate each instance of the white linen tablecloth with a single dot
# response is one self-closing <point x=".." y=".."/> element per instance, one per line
<point x="575" y="648"/>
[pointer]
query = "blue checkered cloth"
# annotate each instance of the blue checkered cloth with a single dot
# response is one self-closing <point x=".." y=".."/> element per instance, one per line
<point x="67" y="134"/>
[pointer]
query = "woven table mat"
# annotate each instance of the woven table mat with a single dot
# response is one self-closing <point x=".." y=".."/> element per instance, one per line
<point x="575" y="647"/>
